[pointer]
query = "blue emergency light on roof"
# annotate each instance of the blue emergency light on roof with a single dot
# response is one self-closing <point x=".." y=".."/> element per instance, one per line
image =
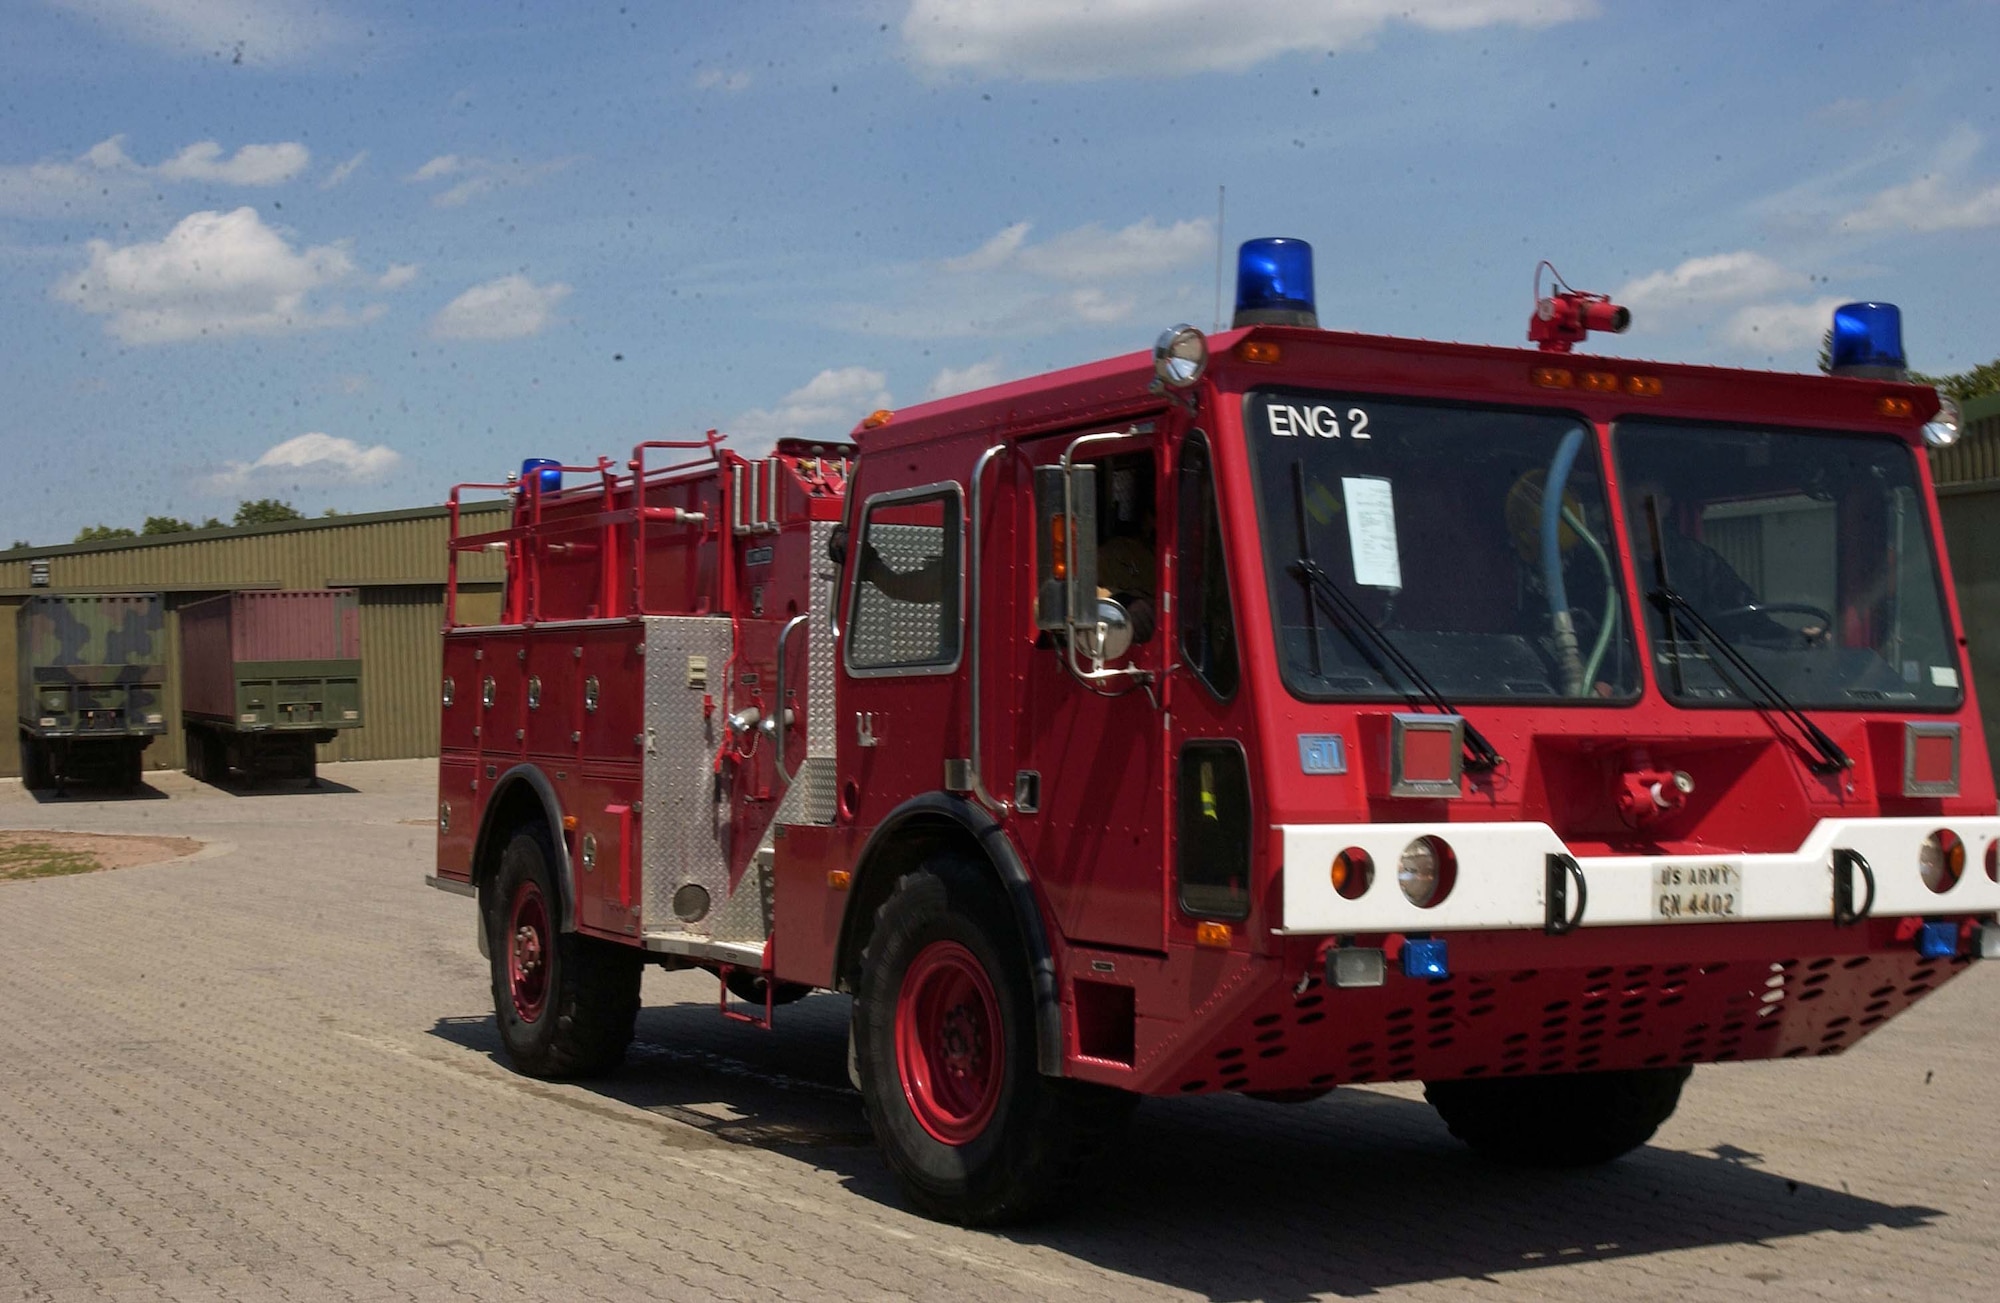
<point x="1868" y="341"/>
<point x="549" y="469"/>
<point x="1274" y="283"/>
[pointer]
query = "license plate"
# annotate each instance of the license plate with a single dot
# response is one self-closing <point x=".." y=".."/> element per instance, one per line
<point x="1697" y="892"/>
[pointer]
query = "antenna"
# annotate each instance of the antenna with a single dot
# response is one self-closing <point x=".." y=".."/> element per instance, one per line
<point x="1221" y="195"/>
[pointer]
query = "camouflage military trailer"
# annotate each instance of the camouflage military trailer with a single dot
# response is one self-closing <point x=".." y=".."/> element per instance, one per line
<point x="92" y="686"/>
<point x="266" y="677"/>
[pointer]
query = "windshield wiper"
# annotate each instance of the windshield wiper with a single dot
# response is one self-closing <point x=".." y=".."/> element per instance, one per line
<point x="1832" y="759"/>
<point x="1321" y="591"/>
<point x="1480" y="757"/>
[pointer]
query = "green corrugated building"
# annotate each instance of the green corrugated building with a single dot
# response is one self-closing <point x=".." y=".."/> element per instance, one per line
<point x="395" y="558"/>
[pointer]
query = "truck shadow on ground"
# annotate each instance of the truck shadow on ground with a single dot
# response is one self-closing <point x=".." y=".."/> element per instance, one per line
<point x="1231" y="1198"/>
<point x="86" y="793"/>
<point x="277" y="787"/>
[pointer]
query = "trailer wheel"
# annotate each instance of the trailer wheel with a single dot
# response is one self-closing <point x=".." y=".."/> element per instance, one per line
<point x="945" y="1046"/>
<point x="36" y="772"/>
<point x="132" y="768"/>
<point x="1564" y="1120"/>
<point x="565" y="1003"/>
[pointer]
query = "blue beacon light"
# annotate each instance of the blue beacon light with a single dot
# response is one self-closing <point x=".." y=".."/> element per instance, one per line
<point x="1868" y="341"/>
<point x="547" y="468"/>
<point x="1274" y="283"/>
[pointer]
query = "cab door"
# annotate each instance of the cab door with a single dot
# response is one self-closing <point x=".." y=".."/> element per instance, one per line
<point x="1090" y="732"/>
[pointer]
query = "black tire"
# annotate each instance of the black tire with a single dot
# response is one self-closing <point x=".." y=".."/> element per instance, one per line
<point x="36" y="772"/>
<point x="194" y="741"/>
<point x="589" y="989"/>
<point x="1571" y="1119"/>
<point x="132" y="768"/>
<point x="1025" y="1150"/>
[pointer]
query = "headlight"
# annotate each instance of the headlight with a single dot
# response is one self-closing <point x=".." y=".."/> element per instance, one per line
<point x="1180" y="356"/>
<point x="1352" y="871"/>
<point x="1941" y="431"/>
<point x="1941" y="860"/>
<point x="1425" y="871"/>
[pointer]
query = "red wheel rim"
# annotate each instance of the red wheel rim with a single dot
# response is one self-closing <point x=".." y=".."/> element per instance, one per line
<point x="949" y="1049"/>
<point x="528" y="947"/>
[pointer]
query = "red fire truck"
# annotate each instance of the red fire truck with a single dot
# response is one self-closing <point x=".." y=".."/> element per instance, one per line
<point x="1277" y="710"/>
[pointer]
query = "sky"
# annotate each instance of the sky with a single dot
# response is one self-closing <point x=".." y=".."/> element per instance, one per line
<point x="348" y="254"/>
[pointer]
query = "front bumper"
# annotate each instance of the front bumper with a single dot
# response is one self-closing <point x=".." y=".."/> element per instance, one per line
<point x="1503" y="877"/>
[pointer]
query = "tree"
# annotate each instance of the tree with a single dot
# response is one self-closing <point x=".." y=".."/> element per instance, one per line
<point x="165" y="525"/>
<point x="99" y="533"/>
<point x="18" y="544"/>
<point x="266" y="511"/>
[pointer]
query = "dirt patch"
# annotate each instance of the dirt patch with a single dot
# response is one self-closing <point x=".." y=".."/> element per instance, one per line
<point x="25" y="855"/>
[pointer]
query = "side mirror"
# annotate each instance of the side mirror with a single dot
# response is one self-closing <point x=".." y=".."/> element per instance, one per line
<point x="1066" y="548"/>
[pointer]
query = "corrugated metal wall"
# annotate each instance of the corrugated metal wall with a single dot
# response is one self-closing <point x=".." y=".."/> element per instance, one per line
<point x="397" y="559"/>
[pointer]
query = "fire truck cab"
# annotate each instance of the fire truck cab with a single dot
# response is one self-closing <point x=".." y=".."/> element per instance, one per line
<point x="1277" y="710"/>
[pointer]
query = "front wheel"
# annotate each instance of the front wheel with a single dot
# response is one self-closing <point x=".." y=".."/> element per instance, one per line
<point x="566" y="1004"/>
<point x="1572" y="1119"/>
<point x="945" y="1052"/>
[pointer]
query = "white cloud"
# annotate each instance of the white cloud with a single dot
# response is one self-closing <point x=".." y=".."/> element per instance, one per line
<point x="512" y="307"/>
<point x="1780" y="327"/>
<point x="255" y="165"/>
<point x="478" y="176"/>
<point x="318" y="459"/>
<point x="241" y="31"/>
<point x="1072" y="40"/>
<point x="964" y="379"/>
<point x="1710" y="279"/>
<point x="716" y="79"/>
<point x="214" y="274"/>
<point x="1939" y="200"/>
<point x="996" y="252"/>
<point x="105" y="175"/>
<point x="344" y="171"/>
<point x="825" y="407"/>
<point x="398" y="275"/>
<point x="1010" y="285"/>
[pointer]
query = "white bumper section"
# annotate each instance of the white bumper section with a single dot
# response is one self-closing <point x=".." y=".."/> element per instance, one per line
<point x="1502" y="877"/>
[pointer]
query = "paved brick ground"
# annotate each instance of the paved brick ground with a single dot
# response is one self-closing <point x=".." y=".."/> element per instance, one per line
<point x="268" y="1073"/>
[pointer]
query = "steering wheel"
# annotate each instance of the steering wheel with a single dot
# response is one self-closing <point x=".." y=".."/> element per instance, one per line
<point x="1824" y="618"/>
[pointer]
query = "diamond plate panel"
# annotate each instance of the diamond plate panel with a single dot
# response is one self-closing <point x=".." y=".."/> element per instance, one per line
<point x="821" y="717"/>
<point x="811" y="797"/>
<point x="684" y="828"/>
<point x="889" y="632"/>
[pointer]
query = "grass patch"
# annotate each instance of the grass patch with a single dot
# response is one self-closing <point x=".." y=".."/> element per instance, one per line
<point x="20" y="861"/>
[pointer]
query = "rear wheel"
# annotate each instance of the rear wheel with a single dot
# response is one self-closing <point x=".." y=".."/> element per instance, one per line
<point x="1565" y="1120"/>
<point x="36" y="772"/>
<point x="945" y="1051"/>
<point x="132" y="768"/>
<point x="565" y="1003"/>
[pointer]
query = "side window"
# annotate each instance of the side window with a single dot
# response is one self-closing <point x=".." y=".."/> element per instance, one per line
<point x="906" y="584"/>
<point x="1214" y="844"/>
<point x="1207" y="629"/>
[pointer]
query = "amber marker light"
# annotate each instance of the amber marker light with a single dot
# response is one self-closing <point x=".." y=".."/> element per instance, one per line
<point x="839" y="879"/>
<point x="1644" y="386"/>
<point x="1890" y="405"/>
<point x="878" y="418"/>
<point x="1553" y="377"/>
<point x="1352" y="872"/>
<point x="1213" y="935"/>
<point x="1599" y="382"/>
<point x="1259" y="350"/>
<point x="569" y="823"/>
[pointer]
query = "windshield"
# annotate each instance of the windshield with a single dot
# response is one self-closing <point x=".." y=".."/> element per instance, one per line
<point x="1433" y="520"/>
<point x="1810" y="552"/>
